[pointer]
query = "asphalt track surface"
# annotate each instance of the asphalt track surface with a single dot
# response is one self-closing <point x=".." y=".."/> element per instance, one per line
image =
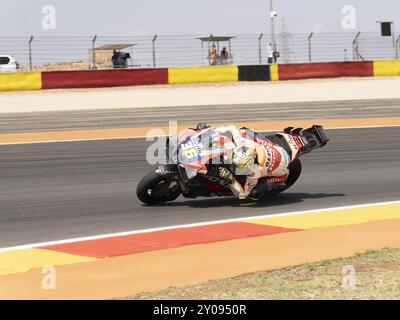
<point x="53" y="191"/>
<point x="154" y="117"/>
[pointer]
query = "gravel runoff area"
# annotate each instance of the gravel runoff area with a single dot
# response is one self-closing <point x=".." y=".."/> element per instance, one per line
<point x="201" y="94"/>
<point x="371" y="275"/>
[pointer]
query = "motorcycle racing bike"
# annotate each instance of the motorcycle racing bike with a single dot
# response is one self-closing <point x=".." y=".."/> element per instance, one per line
<point x="196" y="154"/>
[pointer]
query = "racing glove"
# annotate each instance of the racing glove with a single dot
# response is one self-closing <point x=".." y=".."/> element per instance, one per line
<point x="233" y="185"/>
<point x="226" y="175"/>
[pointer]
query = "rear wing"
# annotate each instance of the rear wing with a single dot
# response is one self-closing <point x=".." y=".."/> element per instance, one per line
<point x="311" y="138"/>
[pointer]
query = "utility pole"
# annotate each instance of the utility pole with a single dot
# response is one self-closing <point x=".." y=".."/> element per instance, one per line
<point x="309" y="47"/>
<point x="272" y="15"/>
<point x="30" y="52"/>
<point x="94" y="52"/>
<point x="259" y="48"/>
<point x="154" y="49"/>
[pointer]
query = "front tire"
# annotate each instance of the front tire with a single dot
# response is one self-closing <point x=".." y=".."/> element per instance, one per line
<point x="154" y="189"/>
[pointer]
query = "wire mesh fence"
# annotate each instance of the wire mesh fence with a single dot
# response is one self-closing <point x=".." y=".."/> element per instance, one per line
<point x="74" y="52"/>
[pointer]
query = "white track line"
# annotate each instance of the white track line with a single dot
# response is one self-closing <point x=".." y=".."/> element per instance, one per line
<point x="143" y="137"/>
<point x="207" y="223"/>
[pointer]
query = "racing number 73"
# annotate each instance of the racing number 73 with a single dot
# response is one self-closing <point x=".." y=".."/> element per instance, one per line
<point x="188" y="150"/>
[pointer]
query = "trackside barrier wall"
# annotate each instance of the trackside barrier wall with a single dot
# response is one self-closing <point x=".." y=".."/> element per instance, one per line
<point x="325" y="70"/>
<point x="103" y="78"/>
<point x="387" y="68"/>
<point x="203" y="74"/>
<point x="131" y="77"/>
<point x="274" y="72"/>
<point x="254" y="73"/>
<point x="20" y="81"/>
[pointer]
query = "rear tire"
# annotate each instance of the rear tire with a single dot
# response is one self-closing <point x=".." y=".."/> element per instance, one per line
<point x="153" y="189"/>
<point x="295" y="168"/>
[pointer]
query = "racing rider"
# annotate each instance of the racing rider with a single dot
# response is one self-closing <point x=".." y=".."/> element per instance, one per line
<point x="256" y="161"/>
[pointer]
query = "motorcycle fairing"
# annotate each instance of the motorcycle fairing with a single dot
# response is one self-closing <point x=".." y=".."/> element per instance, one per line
<point x="197" y="149"/>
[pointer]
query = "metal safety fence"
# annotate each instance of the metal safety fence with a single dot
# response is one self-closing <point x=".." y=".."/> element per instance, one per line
<point x="84" y="52"/>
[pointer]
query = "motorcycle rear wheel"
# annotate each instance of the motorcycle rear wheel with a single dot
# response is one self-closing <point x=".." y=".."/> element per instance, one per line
<point x="294" y="173"/>
<point x="153" y="189"/>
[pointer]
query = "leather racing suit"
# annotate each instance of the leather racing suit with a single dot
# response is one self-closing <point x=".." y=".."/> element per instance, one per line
<point x="267" y="160"/>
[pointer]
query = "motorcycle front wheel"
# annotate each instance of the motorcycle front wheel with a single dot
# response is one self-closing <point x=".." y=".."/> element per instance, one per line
<point x="153" y="189"/>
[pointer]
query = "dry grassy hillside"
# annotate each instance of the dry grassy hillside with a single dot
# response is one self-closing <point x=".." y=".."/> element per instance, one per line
<point x="64" y="66"/>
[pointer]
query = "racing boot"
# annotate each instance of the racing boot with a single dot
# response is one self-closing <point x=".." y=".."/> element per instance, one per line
<point x="249" y="186"/>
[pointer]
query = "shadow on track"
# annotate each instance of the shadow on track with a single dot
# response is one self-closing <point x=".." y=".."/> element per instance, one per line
<point x="282" y="199"/>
